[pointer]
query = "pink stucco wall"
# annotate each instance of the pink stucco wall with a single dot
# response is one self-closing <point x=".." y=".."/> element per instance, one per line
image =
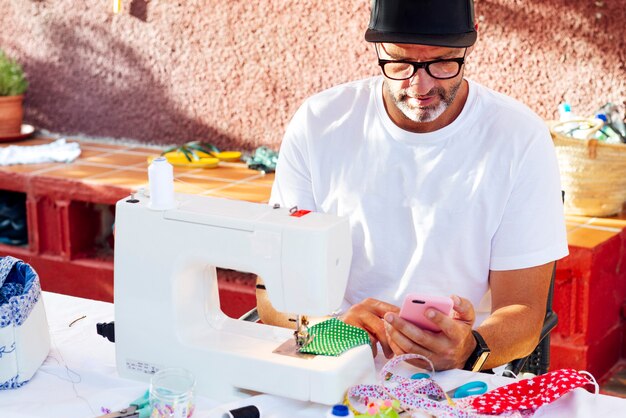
<point x="233" y="72"/>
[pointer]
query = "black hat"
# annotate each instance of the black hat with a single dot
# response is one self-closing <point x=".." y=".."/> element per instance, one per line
<point x="426" y="22"/>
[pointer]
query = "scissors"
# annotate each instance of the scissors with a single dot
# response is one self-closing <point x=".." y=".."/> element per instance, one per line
<point x="139" y="408"/>
<point x="475" y="387"/>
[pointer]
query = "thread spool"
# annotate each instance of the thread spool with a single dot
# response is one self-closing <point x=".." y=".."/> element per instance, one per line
<point x="339" y="410"/>
<point x="250" y="411"/>
<point x="161" y="179"/>
<point x="117" y="6"/>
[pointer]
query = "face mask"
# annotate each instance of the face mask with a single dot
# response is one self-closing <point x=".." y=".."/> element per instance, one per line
<point x="530" y="394"/>
<point x="414" y="395"/>
<point x="518" y="399"/>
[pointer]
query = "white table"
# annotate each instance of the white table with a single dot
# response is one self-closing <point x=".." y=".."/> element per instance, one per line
<point x="79" y="378"/>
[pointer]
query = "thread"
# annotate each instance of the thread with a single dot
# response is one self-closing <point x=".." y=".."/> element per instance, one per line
<point x="161" y="179"/>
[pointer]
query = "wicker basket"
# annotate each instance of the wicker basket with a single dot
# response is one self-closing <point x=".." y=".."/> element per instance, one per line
<point x="593" y="174"/>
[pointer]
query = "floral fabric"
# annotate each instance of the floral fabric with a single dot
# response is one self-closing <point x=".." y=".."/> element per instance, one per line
<point x="20" y="294"/>
<point x="423" y="395"/>
<point x="519" y="399"/>
<point x="20" y="290"/>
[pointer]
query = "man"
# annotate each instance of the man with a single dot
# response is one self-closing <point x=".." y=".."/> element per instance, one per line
<point x="451" y="188"/>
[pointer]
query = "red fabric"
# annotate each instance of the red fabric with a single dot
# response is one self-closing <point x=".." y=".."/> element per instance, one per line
<point x="530" y="394"/>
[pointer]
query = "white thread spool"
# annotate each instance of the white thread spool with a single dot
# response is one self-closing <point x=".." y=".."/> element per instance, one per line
<point x="161" y="179"/>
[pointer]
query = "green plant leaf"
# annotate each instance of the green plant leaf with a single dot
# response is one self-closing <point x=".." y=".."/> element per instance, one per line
<point x="198" y="147"/>
<point x="12" y="78"/>
<point x="210" y="146"/>
<point x="188" y="154"/>
<point x="170" y="149"/>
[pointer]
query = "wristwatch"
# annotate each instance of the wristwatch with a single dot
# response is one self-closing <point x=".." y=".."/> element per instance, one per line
<point x="479" y="356"/>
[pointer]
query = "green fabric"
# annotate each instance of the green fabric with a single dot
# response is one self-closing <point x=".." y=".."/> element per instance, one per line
<point x="332" y="337"/>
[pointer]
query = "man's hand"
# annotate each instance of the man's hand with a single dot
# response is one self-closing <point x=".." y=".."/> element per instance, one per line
<point x="369" y="316"/>
<point x="447" y="349"/>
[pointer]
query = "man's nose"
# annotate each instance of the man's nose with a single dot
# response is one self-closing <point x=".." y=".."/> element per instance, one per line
<point x="421" y="82"/>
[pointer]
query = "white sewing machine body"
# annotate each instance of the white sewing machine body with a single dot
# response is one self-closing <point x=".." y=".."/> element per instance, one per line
<point x="167" y="309"/>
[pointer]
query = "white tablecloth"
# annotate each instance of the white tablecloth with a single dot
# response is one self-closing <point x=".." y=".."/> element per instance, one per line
<point x="79" y="378"/>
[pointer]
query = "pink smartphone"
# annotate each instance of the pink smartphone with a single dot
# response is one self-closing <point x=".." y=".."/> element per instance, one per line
<point x="415" y="306"/>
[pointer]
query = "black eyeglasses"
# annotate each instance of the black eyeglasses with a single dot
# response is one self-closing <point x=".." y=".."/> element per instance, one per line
<point x="441" y="69"/>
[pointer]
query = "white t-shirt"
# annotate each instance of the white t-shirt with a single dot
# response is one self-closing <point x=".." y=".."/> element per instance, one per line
<point x="431" y="212"/>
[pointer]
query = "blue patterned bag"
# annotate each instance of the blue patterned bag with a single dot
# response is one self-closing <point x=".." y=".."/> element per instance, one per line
<point x="24" y="334"/>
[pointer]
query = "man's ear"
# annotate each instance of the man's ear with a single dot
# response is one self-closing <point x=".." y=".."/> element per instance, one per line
<point x="380" y="46"/>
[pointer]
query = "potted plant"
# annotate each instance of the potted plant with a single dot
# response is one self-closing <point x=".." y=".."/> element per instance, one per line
<point x="13" y="85"/>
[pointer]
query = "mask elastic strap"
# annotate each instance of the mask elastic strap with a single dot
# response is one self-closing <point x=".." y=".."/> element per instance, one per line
<point x="510" y="373"/>
<point x="391" y="364"/>
<point x="592" y="380"/>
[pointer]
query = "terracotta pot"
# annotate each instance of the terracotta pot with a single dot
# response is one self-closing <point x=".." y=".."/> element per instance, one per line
<point x="11" y="115"/>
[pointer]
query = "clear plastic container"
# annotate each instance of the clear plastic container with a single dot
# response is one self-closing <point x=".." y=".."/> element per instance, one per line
<point x="171" y="393"/>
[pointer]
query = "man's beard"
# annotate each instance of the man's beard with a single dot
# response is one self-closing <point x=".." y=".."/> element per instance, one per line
<point x="428" y="113"/>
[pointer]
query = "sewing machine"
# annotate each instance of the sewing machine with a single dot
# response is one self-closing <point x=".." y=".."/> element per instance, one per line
<point x="167" y="309"/>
